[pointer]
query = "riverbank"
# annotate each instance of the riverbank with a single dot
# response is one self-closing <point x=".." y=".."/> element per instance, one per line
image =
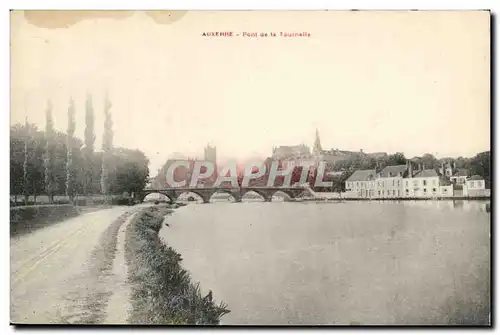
<point x="162" y="291"/>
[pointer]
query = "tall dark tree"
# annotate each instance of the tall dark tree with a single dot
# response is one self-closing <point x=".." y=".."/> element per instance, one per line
<point x="107" y="147"/>
<point x="481" y="165"/>
<point x="70" y="144"/>
<point x="25" y="164"/>
<point x="430" y="162"/>
<point x="49" y="153"/>
<point x="397" y="159"/>
<point x="88" y="151"/>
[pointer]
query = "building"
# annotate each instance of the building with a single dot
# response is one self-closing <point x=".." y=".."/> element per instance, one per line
<point x="459" y="177"/>
<point x="422" y="183"/>
<point x="389" y="183"/>
<point x="475" y="187"/>
<point x="361" y="184"/>
<point x="399" y="181"/>
<point x="211" y="154"/>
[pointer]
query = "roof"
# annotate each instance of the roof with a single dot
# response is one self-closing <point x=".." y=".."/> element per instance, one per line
<point x="362" y="175"/>
<point x="425" y="173"/>
<point x="476" y="177"/>
<point x="393" y="171"/>
<point x="461" y="173"/>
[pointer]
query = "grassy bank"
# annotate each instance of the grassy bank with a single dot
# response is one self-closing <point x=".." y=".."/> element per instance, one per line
<point x="162" y="291"/>
<point x="26" y="219"/>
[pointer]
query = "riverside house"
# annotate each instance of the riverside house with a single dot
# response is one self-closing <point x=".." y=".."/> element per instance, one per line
<point x="460" y="176"/>
<point x="475" y="186"/>
<point x="427" y="183"/>
<point x="401" y="181"/>
<point x="389" y="183"/>
<point x="361" y="184"/>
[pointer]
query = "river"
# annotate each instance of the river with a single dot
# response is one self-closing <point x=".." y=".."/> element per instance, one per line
<point x="423" y="262"/>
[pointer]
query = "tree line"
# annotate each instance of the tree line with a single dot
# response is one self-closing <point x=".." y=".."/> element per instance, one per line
<point x="50" y="162"/>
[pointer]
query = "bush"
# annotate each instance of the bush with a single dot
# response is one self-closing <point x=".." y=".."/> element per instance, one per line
<point x="162" y="290"/>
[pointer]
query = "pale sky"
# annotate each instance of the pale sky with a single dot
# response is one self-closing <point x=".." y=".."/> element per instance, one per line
<point x="414" y="82"/>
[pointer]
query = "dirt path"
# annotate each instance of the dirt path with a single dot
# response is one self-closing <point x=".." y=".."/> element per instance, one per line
<point x="118" y="306"/>
<point x="56" y="271"/>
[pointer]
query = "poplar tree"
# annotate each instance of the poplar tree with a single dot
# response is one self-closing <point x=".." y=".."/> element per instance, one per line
<point x="88" y="151"/>
<point x="49" y="153"/>
<point x="70" y="167"/>
<point x="107" y="146"/>
<point x="25" y="163"/>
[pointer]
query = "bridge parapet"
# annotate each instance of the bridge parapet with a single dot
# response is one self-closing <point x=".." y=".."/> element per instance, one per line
<point x="205" y="193"/>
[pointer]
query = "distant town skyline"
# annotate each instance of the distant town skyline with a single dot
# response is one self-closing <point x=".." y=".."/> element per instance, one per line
<point x="411" y="82"/>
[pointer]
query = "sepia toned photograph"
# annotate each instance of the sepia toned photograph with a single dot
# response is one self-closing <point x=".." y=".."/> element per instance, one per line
<point x="250" y="168"/>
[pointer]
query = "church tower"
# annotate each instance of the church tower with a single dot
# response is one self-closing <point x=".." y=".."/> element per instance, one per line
<point x="211" y="154"/>
<point x="317" y="149"/>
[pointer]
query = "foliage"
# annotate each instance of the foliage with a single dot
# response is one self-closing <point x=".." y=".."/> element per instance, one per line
<point x="107" y="146"/>
<point x="88" y="151"/>
<point x="396" y="159"/>
<point x="481" y="165"/>
<point x="70" y="164"/>
<point x="129" y="168"/>
<point x="49" y="153"/>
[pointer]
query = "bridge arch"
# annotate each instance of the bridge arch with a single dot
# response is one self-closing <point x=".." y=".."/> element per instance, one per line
<point x="266" y="196"/>
<point x="287" y="196"/>
<point x="201" y="196"/>
<point x="145" y="194"/>
<point x="235" y="197"/>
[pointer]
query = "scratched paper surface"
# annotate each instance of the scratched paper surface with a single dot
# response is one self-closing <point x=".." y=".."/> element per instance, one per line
<point x="250" y="167"/>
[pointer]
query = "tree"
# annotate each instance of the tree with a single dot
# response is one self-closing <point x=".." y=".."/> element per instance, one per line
<point x="25" y="165"/>
<point x="88" y="167"/>
<point x="481" y="165"/>
<point x="107" y="146"/>
<point x="49" y="153"/>
<point x="22" y="135"/>
<point x="131" y="172"/>
<point x="397" y="159"/>
<point x="430" y="162"/>
<point x="70" y="167"/>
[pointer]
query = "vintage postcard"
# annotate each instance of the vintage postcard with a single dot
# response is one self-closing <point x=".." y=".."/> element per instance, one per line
<point x="250" y="168"/>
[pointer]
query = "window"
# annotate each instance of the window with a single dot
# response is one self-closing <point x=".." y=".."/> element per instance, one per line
<point x="425" y="182"/>
<point x="425" y="190"/>
<point x="393" y="192"/>
<point x="393" y="182"/>
<point x="434" y="190"/>
<point x="407" y="184"/>
<point x="379" y="193"/>
<point x="407" y="191"/>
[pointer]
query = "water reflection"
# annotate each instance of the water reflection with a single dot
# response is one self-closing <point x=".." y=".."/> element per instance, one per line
<point x="465" y="205"/>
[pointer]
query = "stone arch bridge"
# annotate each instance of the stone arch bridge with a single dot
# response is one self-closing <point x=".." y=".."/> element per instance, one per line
<point x="237" y="193"/>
